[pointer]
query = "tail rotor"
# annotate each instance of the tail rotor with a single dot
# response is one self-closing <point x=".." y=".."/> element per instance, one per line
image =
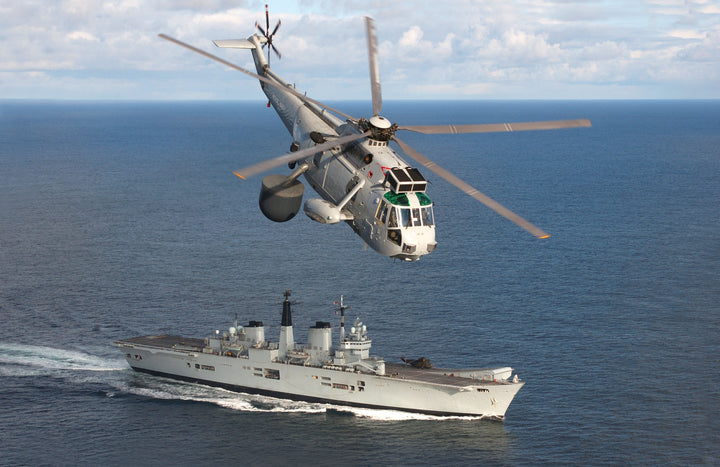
<point x="269" y="35"/>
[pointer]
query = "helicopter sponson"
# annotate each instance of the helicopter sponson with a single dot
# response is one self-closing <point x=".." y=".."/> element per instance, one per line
<point x="280" y="197"/>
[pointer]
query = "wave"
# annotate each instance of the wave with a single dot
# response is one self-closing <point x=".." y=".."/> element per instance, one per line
<point x="27" y="360"/>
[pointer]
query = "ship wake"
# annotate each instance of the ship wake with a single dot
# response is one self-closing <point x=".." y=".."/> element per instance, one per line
<point x="32" y="360"/>
<point x="170" y="389"/>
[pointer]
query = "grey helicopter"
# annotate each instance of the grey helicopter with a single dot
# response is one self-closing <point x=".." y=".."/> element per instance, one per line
<point x="361" y="180"/>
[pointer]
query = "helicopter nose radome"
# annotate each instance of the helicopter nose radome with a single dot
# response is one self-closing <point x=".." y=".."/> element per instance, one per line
<point x="418" y="242"/>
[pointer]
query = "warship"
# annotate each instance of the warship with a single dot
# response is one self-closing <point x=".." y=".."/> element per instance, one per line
<point x="242" y="360"/>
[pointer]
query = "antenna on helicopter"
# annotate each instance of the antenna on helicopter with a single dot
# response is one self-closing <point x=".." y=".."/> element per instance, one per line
<point x="269" y="35"/>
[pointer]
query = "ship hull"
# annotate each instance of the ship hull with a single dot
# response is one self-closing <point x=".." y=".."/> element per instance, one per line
<point x="435" y="392"/>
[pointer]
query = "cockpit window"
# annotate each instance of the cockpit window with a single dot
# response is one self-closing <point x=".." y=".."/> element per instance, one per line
<point x="427" y="216"/>
<point x="406" y="220"/>
<point x="424" y="200"/>
<point x="416" y="217"/>
<point x="392" y="219"/>
<point x="396" y="206"/>
<point x="398" y="199"/>
<point x="382" y="211"/>
<point x="410" y="217"/>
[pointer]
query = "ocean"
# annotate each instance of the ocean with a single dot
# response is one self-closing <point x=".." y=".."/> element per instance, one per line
<point x="120" y="219"/>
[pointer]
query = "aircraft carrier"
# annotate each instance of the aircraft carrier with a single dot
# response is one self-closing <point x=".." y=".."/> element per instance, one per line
<point x="240" y="359"/>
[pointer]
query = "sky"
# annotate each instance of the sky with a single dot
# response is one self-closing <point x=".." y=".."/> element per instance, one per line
<point x="459" y="49"/>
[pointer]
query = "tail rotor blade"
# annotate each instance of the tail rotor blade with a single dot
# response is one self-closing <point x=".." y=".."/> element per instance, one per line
<point x="277" y="26"/>
<point x="374" y="65"/>
<point x="486" y="200"/>
<point x="267" y="18"/>
<point x="260" y="28"/>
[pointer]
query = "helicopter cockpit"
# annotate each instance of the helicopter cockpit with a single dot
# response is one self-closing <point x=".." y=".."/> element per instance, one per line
<point x="406" y="212"/>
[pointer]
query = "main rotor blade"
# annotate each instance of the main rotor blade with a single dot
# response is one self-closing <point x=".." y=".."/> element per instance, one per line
<point x="487" y="201"/>
<point x="374" y="65"/>
<point x="297" y="155"/>
<point x="496" y="127"/>
<point x="288" y="89"/>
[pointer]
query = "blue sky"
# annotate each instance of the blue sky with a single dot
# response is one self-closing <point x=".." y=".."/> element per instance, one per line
<point x="522" y="49"/>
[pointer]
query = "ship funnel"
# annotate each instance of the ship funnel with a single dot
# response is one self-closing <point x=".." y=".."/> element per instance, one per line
<point x="255" y="332"/>
<point x="319" y="342"/>
<point x="287" y="341"/>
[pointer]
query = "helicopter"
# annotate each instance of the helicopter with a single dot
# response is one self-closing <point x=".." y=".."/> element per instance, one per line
<point x="361" y="180"/>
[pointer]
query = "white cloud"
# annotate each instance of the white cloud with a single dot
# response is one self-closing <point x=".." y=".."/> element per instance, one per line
<point x="82" y="35"/>
<point x="411" y="38"/>
<point x="428" y="50"/>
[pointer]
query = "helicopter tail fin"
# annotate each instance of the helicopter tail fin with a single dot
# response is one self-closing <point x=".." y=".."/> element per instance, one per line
<point x="235" y="44"/>
<point x="253" y="43"/>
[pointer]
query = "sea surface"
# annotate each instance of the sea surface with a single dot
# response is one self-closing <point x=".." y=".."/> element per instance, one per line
<point x="125" y="219"/>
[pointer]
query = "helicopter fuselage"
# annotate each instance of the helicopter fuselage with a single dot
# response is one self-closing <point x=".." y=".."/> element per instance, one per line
<point x="364" y="183"/>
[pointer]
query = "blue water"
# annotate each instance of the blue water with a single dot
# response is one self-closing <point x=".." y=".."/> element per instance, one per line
<point x="123" y="219"/>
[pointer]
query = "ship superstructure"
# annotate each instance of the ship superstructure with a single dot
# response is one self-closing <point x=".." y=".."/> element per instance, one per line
<point x="241" y="359"/>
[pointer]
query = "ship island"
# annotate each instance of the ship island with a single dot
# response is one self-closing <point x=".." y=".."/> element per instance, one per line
<point x="242" y="360"/>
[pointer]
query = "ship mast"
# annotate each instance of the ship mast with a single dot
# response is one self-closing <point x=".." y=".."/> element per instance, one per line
<point x="342" y="317"/>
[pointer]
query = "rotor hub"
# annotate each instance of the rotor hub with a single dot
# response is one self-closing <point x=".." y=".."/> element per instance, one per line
<point x="380" y="123"/>
<point x="380" y="127"/>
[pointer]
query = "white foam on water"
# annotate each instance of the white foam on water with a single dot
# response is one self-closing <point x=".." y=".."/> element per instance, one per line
<point x="28" y="360"/>
<point x="168" y="389"/>
<point x="396" y="415"/>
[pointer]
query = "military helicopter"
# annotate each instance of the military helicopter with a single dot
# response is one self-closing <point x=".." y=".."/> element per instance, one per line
<point x="347" y="161"/>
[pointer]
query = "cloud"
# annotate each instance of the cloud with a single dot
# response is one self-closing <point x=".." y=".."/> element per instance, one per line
<point x="428" y="50"/>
